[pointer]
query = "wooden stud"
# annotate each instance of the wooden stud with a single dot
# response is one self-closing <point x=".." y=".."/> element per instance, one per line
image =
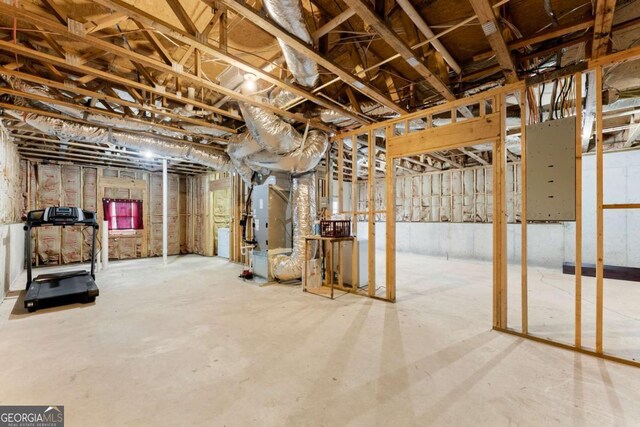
<point x="391" y="223"/>
<point x="340" y="175"/>
<point x="523" y="214"/>
<point x="578" y="255"/>
<point x="371" y="187"/>
<point x="499" y="221"/>
<point x="599" y="212"/>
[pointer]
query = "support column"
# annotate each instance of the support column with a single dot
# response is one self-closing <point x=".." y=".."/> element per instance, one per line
<point x="165" y="202"/>
<point x="104" y="250"/>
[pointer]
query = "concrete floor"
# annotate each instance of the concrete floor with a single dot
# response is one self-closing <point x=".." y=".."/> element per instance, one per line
<point x="191" y="344"/>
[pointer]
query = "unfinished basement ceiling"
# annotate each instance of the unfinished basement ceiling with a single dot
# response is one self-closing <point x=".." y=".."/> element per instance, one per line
<point x="177" y="64"/>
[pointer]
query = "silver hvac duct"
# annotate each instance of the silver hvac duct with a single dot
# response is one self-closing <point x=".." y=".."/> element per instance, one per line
<point x="304" y="159"/>
<point x="100" y="119"/>
<point x="303" y="202"/>
<point x="201" y="154"/>
<point x="270" y="132"/>
<point x="288" y="14"/>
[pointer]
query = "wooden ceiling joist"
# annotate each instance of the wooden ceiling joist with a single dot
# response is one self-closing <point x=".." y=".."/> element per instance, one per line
<point x="109" y="113"/>
<point x="115" y="79"/>
<point x="540" y="37"/>
<point x="202" y="44"/>
<point x="369" y="16"/>
<point x="602" y="27"/>
<point x="84" y="122"/>
<point x="143" y="60"/>
<point x="260" y="19"/>
<point x="157" y="45"/>
<point x="491" y="29"/>
<point x="420" y="23"/>
<point x="332" y="24"/>
<point x="182" y="16"/>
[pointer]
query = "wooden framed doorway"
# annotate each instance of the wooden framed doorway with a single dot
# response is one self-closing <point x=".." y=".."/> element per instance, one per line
<point x="487" y="127"/>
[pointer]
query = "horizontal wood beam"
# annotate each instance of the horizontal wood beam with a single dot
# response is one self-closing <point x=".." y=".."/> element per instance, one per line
<point x="83" y="108"/>
<point x="468" y="132"/>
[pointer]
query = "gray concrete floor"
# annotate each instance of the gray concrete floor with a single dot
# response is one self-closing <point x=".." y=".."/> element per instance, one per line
<point x="191" y="344"/>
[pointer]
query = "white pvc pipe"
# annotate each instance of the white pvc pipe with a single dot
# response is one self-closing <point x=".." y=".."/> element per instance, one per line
<point x="105" y="245"/>
<point x="165" y="202"/>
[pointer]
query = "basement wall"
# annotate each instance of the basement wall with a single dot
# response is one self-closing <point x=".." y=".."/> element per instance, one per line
<point x="549" y="245"/>
<point x="74" y="185"/>
<point x="11" y="202"/>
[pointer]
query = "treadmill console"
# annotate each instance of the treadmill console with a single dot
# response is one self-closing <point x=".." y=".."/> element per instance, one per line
<point x="60" y="215"/>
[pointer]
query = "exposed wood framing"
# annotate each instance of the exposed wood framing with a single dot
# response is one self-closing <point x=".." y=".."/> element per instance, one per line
<point x="263" y="21"/>
<point x="203" y="45"/>
<point x="524" y="280"/>
<point x="491" y="29"/>
<point x="183" y="16"/>
<point x="414" y="15"/>
<point x="332" y="24"/>
<point x="390" y="37"/>
<point x="602" y="27"/>
<point x="578" y="237"/>
<point x="599" y="212"/>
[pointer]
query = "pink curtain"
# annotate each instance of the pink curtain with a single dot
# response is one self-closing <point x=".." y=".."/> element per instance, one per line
<point x="123" y="214"/>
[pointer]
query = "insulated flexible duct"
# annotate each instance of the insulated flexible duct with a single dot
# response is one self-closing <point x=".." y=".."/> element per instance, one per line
<point x="201" y="154"/>
<point x="271" y="132"/>
<point x="304" y="159"/>
<point x="303" y="203"/>
<point x="288" y="14"/>
<point x="117" y="122"/>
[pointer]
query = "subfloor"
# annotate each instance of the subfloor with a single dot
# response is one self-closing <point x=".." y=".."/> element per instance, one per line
<point x="192" y="344"/>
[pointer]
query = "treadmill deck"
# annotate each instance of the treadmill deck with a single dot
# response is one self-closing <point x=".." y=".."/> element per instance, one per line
<point x="60" y="286"/>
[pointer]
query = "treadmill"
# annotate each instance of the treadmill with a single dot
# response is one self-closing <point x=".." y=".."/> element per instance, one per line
<point x="48" y="290"/>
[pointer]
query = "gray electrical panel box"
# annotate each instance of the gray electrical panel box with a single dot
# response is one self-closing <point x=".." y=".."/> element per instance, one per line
<point x="551" y="170"/>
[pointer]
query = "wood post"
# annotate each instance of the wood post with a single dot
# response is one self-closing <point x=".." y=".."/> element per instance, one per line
<point x="599" y="212"/>
<point x="391" y="224"/>
<point x="578" y="259"/>
<point x="523" y="208"/>
<point x="499" y="222"/>
<point x="371" y="187"/>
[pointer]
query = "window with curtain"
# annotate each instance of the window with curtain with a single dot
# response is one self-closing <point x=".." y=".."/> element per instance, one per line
<point x="123" y="214"/>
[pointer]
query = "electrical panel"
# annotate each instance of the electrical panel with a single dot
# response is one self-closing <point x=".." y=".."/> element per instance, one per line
<point x="551" y="170"/>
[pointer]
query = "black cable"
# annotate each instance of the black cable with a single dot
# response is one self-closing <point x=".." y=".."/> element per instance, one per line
<point x="245" y="214"/>
<point x="540" y="101"/>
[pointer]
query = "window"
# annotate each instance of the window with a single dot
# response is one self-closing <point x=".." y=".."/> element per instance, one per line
<point x="123" y="214"/>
